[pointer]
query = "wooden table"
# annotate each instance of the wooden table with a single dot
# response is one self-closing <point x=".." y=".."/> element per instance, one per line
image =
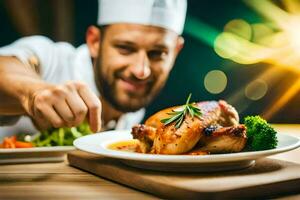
<point x="60" y="181"/>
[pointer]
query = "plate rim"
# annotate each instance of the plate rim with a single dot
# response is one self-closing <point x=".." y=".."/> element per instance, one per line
<point x="37" y="149"/>
<point x="213" y="158"/>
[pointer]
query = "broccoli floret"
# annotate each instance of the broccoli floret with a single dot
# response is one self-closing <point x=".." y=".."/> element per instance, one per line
<point x="261" y="136"/>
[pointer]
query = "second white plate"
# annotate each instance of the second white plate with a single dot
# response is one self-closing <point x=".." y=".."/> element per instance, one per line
<point x="34" y="154"/>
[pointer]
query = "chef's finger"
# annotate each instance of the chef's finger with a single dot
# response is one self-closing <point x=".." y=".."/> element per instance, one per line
<point x="64" y="111"/>
<point x="94" y="107"/>
<point x="78" y="108"/>
<point x="50" y="115"/>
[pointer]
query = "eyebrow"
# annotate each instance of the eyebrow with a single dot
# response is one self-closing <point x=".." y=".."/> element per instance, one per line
<point x="123" y="42"/>
<point x="161" y="46"/>
<point x="127" y="42"/>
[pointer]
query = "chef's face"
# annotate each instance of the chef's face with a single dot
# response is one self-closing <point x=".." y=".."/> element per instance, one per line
<point x="132" y="63"/>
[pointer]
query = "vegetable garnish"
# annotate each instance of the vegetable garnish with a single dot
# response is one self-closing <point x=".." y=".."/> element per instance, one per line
<point x="261" y="136"/>
<point x="61" y="136"/>
<point x="178" y="116"/>
<point x="51" y="137"/>
<point x="12" y="142"/>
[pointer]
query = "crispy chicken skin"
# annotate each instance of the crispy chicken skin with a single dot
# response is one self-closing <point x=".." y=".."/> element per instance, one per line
<point x="229" y="116"/>
<point x="220" y="112"/>
<point x="223" y="140"/>
<point x="160" y="139"/>
<point x="170" y="140"/>
<point x="146" y="135"/>
<point x="154" y="120"/>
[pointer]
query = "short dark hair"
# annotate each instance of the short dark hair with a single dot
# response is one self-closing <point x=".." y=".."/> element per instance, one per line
<point x="102" y="29"/>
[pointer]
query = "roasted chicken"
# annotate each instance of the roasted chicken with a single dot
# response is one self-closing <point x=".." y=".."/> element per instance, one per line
<point x="222" y="139"/>
<point x="219" y="119"/>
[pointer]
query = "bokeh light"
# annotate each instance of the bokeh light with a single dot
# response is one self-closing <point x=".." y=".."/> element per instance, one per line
<point x="261" y="33"/>
<point x="226" y="46"/>
<point x="275" y="42"/>
<point x="256" y="89"/>
<point x="240" y="28"/>
<point x="215" y="81"/>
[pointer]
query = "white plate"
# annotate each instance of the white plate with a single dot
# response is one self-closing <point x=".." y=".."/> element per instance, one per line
<point x="98" y="143"/>
<point x="29" y="155"/>
<point x="35" y="154"/>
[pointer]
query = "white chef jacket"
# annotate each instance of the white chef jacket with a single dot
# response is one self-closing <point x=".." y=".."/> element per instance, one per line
<point x="59" y="62"/>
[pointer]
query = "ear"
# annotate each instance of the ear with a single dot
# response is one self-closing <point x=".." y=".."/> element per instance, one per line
<point x="93" y="40"/>
<point x="179" y="45"/>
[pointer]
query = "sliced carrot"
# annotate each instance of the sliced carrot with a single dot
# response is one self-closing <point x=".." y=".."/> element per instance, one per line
<point x="11" y="143"/>
<point x="13" y="138"/>
<point x="20" y="144"/>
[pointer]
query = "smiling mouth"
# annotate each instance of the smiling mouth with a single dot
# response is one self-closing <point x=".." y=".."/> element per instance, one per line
<point x="133" y="85"/>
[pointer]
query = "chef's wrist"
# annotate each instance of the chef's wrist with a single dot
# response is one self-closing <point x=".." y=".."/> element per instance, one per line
<point x="28" y="94"/>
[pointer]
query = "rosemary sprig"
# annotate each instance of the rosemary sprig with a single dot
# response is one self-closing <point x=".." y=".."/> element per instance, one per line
<point x="178" y="116"/>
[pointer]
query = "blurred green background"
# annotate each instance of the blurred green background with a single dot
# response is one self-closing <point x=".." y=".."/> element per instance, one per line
<point x="267" y="86"/>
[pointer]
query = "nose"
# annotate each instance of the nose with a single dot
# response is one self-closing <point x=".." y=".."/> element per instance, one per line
<point x="141" y="67"/>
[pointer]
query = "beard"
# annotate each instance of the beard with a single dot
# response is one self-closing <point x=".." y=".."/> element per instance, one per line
<point x="133" y="100"/>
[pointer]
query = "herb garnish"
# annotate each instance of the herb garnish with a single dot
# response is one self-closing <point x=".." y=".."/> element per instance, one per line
<point x="179" y="115"/>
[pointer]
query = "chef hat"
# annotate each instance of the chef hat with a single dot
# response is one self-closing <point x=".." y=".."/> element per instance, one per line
<point x="168" y="14"/>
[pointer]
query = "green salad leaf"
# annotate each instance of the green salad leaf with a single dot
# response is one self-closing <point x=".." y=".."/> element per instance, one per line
<point x="61" y="136"/>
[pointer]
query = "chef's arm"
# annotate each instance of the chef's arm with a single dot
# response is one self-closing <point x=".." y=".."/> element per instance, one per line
<point x="22" y="91"/>
<point x="16" y="82"/>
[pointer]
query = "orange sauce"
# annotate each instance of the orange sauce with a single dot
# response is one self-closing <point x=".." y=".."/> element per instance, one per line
<point x="134" y="146"/>
<point x="127" y="145"/>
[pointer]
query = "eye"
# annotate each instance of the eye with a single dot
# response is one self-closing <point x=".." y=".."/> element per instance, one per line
<point x="157" y="54"/>
<point x="125" y="49"/>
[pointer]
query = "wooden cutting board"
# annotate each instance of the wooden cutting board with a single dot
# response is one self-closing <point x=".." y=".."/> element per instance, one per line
<point x="268" y="178"/>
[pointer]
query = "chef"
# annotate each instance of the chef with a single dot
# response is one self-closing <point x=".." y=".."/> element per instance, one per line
<point x="109" y="80"/>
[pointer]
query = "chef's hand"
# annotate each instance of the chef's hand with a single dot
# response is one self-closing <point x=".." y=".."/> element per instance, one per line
<point x="64" y="105"/>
